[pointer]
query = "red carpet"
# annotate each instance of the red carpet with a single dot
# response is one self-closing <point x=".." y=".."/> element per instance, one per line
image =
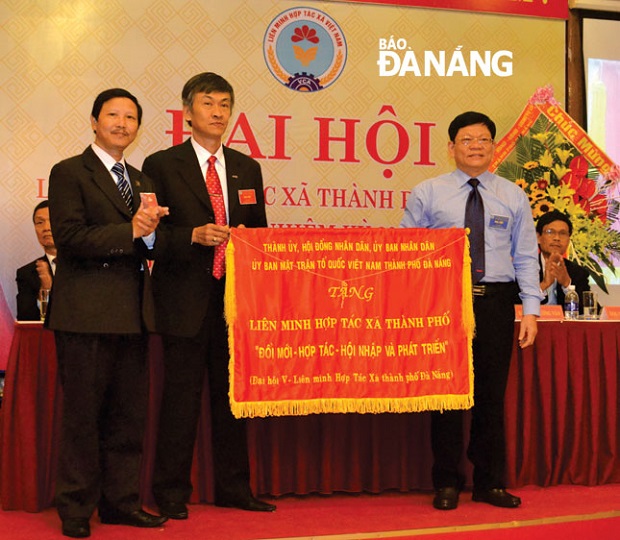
<point x="547" y="513"/>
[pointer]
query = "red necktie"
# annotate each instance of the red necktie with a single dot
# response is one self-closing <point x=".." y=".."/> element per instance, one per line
<point x="217" y="201"/>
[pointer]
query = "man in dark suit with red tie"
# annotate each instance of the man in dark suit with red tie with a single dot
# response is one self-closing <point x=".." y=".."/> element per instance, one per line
<point x="98" y="313"/>
<point x="38" y="274"/>
<point x="208" y="188"/>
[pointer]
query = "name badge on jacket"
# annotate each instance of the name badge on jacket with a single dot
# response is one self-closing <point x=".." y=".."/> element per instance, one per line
<point x="499" y="222"/>
<point x="247" y="196"/>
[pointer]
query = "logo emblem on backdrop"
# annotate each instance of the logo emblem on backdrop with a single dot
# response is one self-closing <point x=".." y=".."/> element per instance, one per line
<point x="305" y="49"/>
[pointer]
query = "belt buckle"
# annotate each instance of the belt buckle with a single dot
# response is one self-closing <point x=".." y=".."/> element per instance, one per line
<point x="478" y="290"/>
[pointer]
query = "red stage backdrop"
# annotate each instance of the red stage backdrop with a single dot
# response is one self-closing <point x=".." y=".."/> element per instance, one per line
<point x="557" y="9"/>
<point x="349" y="320"/>
<point x="6" y="331"/>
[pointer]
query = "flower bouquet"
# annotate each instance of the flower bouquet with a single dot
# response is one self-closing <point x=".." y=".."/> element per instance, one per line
<point x="554" y="161"/>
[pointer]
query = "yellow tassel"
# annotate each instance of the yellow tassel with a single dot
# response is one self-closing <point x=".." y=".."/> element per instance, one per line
<point x="230" y="298"/>
<point x="230" y="311"/>
<point x="252" y="409"/>
<point x="469" y="320"/>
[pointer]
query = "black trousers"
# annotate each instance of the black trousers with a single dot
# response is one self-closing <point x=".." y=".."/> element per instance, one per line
<point x="492" y="349"/>
<point x="104" y="383"/>
<point x="186" y="360"/>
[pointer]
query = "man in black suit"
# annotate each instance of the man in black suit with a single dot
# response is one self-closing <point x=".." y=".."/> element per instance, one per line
<point x="554" y="230"/>
<point x="38" y="274"/>
<point x="97" y="311"/>
<point x="189" y="295"/>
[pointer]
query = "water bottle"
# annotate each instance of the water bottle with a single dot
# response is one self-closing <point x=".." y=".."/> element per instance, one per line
<point x="571" y="304"/>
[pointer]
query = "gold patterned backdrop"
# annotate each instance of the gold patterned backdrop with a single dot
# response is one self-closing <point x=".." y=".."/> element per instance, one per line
<point x="56" y="55"/>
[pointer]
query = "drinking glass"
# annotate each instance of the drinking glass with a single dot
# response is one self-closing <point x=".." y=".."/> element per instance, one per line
<point x="590" y="305"/>
<point x="44" y="298"/>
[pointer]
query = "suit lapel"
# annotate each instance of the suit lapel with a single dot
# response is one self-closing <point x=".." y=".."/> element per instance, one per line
<point x="232" y="174"/>
<point x="101" y="177"/>
<point x="190" y="172"/>
<point x="541" y="270"/>
<point x="541" y="276"/>
<point x="135" y="177"/>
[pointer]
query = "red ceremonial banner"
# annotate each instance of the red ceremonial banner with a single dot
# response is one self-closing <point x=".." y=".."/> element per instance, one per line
<point x="6" y="331"/>
<point x="349" y="320"/>
<point x="564" y="124"/>
<point x="559" y="167"/>
<point x="554" y="9"/>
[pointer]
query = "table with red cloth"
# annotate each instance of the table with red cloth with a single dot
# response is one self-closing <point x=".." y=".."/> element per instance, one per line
<point x="562" y="426"/>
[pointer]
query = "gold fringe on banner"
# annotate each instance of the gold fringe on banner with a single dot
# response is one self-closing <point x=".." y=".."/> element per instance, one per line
<point x="230" y="313"/>
<point x="230" y="294"/>
<point x="469" y="320"/>
<point x="251" y="409"/>
<point x="262" y="409"/>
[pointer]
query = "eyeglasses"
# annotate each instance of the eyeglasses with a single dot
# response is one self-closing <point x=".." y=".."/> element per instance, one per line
<point x="482" y="141"/>
<point x="553" y="232"/>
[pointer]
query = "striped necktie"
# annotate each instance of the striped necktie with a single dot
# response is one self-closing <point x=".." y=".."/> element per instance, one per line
<point x="123" y="184"/>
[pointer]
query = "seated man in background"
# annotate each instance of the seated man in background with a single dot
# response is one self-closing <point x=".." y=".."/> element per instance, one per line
<point x="38" y="274"/>
<point x="554" y="230"/>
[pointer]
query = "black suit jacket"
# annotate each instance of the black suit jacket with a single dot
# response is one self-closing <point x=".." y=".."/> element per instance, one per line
<point x="99" y="281"/>
<point x="28" y="286"/>
<point x="182" y="271"/>
<point x="578" y="277"/>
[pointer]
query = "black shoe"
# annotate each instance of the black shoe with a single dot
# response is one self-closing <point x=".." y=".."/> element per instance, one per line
<point x="173" y="510"/>
<point x="246" y="503"/>
<point x="446" y="498"/>
<point x="496" y="497"/>
<point x="137" y="518"/>
<point x="76" y="527"/>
